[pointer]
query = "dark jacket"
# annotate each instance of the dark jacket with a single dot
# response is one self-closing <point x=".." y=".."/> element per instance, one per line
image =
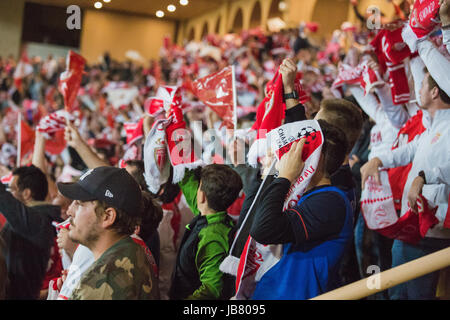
<point x="204" y="246"/>
<point x="3" y="271"/>
<point x="29" y="237"/>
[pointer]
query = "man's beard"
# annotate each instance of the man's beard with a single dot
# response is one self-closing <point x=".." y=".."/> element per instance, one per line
<point x="91" y="237"/>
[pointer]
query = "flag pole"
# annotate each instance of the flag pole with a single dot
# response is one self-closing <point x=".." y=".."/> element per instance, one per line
<point x="19" y="139"/>
<point x="234" y="100"/>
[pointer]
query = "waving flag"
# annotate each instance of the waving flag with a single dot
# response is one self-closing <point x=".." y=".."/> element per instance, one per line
<point x="26" y="140"/>
<point x="361" y="75"/>
<point x="70" y="80"/>
<point x="160" y="103"/>
<point x="423" y="20"/>
<point x="54" y="122"/>
<point x="134" y="131"/>
<point x="217" y="92"/>
<point x="269" y="115"/>
<point x="180" y="150"/>
<point x="121" y="96"/>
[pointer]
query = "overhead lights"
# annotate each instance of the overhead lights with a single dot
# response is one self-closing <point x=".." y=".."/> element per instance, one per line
<point x="98" y="5"/>
<point x="184" y="2"/>
<point x="282" y="6"/>
<point x="171" y="8"/>
<point x="106" y="1"/>
<point x="160" y="14"/>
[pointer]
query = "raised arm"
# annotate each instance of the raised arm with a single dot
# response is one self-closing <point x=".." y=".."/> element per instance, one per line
<point x="89" y="157"/>
<point x="39" y="162"/>
<point x="368" y="103"/>
<point x="436" y="63"/>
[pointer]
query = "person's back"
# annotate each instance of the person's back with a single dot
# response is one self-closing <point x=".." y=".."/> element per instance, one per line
<point x="123" y="272"/>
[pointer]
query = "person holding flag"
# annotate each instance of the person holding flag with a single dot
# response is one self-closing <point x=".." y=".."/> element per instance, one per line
<point x="314" y="232"/>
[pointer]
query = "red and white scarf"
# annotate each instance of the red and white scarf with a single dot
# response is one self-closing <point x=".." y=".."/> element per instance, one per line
<point x="391" y="51"/>
<point x="54" y="122"/>
<point x="377" y="206"/>
<point x="156" y="159"/>
<point x="423" y="20"/>
<point x="361" y="75"/>
<point x="169" y="143"/>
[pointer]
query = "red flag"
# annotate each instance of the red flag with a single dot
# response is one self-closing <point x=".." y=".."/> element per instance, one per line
<point x="57" y="144"/>
<point x="216" y="91"/>
<point x="27" y="140"/>
<point x="154" y="106"/>
<point x="181" y="151"/>
<point x="134" y="131"/>
<point x="270" y="112"/>
<point x="70" y="80"/>
<point x="269" y="116"/>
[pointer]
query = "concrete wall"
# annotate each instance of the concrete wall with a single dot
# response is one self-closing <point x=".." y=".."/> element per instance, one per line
<point x="118" y="33"/>
<point x="11" y="19"/>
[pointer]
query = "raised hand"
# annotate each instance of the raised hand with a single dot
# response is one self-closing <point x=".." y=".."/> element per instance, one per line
<point x="291" y="164"/>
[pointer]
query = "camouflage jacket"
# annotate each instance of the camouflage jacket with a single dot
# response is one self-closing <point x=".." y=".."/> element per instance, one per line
<point x="123" y="272"/>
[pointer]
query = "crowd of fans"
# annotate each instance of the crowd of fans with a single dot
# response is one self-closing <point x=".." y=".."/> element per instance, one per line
<point x="79" y="221"/>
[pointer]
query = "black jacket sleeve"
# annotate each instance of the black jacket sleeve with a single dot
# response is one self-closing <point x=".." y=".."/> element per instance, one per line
<point x="24" y="220"/>
<point x="271" y="225"/>
<point x="320" y="217"/>
<point x="295" y="114"/>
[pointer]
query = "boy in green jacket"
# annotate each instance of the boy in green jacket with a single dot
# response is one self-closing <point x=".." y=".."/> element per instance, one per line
<point x="205" y="243"/>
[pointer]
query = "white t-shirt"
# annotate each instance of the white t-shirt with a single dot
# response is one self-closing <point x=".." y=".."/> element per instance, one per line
<point x="83" y="258"/>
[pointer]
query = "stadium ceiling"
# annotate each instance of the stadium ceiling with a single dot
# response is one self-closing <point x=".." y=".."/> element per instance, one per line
<point x="144" y="7"/>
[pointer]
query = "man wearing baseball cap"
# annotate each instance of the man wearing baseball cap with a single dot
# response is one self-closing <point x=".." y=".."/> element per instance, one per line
<point x="106" y="208"/>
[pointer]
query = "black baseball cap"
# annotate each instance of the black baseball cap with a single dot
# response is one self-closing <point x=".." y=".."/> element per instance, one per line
<point x="115" y="186"/>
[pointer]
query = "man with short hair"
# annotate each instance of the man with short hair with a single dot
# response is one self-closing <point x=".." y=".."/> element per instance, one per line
<point x="28" y="233"/>
<point x="429" y="176"/>
<point x="107" y="208"/>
